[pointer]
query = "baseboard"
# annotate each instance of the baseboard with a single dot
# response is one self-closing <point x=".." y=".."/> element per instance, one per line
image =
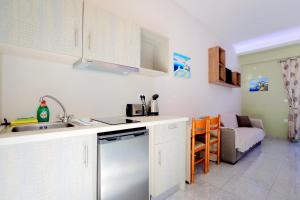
<point x="167" y="193"/>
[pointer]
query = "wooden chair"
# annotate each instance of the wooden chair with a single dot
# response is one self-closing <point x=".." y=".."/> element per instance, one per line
<point x="200" y="127"/>
<point x="215" y="135"/>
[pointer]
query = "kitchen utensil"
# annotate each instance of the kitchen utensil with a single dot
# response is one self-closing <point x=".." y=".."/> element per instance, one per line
<point x="143" y="99"/>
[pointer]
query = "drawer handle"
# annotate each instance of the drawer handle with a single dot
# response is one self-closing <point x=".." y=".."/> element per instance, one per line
<point x="173" y="126"/>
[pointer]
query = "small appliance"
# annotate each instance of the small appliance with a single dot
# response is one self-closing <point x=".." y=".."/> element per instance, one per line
<point x="133" y="110"/>
<point x="153" y="105"/>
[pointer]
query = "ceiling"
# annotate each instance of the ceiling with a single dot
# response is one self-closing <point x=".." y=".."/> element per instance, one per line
<point x="239" y="20"/>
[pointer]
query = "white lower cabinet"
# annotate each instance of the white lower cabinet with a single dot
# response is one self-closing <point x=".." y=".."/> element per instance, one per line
<point x="167" y="170"/>
<point x="165" y="167"/>
<point x="59" y="169"/>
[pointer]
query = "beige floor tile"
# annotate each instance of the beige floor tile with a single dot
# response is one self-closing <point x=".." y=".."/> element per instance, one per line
<point x="274" y="195"/>
<point x="269" y="172"/>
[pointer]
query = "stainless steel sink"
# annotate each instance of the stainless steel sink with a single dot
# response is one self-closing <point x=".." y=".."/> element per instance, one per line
<point x="43" y="126"/>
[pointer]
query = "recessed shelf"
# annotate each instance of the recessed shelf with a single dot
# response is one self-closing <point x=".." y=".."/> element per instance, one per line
<point x="154" y="53"/>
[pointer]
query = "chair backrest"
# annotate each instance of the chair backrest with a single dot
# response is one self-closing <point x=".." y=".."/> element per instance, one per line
<point x="215" y="123"/>
<point x="200" y="126"/>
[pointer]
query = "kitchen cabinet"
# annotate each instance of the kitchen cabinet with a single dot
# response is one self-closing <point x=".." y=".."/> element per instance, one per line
<point x="53" y="26"/>
<point x="168" y="159"/>
<point x="109" y="38"/>
<point x="53" y="169"/>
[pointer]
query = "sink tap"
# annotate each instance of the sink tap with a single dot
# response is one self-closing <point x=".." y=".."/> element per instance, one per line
<point x="65" y="117"/>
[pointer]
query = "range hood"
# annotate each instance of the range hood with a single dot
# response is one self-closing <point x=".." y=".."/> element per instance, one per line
<point x="104" y="66"/>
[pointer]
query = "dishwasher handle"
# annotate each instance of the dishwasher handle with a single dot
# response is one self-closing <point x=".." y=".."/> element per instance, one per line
<point x="104" y="139"/>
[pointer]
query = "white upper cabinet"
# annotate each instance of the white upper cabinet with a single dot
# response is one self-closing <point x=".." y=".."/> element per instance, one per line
<point x="48" y="25"/>
<point x="110" y="38"/>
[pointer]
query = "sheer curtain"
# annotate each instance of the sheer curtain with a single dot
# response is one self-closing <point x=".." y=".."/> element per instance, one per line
<point x="291" y="78"/>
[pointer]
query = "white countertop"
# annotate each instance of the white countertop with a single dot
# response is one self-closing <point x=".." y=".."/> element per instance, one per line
<point x="8" y="137"/>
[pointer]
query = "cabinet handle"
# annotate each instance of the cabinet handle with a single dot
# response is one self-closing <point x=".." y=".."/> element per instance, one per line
<point x="87" y="156"/>
<point x="90" y="41"/>
<point x="84" y="155"/>
<point x="76" y="37"/>
<point x="159" y="158"/>
<point x="172" y="126"/>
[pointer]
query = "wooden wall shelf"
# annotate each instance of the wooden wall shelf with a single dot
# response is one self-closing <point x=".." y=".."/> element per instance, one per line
<point x="218" y="73"/>
<point x="223" y="83"/>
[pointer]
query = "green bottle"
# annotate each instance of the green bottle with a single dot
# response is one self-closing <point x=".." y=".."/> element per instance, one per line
<point x="43" y="113"/>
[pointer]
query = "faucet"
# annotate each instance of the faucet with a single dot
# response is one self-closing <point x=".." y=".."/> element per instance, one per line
<point x="65" y="117"/>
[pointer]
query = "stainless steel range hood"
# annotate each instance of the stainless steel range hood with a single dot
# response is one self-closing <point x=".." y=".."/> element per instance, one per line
<point x="104" y="66"/>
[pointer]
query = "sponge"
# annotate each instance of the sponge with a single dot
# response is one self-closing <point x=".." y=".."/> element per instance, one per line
<point x="20" y="121"/>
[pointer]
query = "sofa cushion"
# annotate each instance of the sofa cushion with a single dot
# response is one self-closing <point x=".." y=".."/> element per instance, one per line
<point x="243" y="121"/>
<point x="245" y="138"/>
<point x="229" y="120"/>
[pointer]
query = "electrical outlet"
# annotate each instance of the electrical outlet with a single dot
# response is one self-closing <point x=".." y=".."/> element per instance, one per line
<point x="285" y="100"/>
<point x="285" y="120"/>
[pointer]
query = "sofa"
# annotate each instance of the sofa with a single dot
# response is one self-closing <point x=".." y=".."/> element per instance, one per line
<point x="238" y="141"/>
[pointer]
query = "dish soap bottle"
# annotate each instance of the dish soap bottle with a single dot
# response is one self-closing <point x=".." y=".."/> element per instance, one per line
<point x="43" y="112"/>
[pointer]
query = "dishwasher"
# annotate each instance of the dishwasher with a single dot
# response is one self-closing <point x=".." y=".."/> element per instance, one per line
<point x="123" y="165"/>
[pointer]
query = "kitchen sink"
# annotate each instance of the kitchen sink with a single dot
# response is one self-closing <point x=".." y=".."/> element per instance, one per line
<point x="42" y="126"/>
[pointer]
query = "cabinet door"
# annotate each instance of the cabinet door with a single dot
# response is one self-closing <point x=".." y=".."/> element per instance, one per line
<point x="89" y="180"/>
<point x="62" y="26"/>
<point x="46" y="170"/>
<point x="165" y="167"/>
<point x="168" y="161"/>
<point x="109" y="38"/>
<point x="50" y="25"/>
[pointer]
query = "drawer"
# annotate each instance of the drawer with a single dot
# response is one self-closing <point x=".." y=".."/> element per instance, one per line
<point x="166" y="132"/>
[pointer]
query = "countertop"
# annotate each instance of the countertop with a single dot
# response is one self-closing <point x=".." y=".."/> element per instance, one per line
<point x="8" y="138"/>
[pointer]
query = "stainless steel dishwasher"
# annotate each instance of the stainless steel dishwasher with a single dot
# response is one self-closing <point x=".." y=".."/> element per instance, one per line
<point x="123" y="165"/>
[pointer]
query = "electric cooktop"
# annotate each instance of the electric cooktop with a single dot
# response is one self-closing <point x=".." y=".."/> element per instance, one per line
<point x="116" y="120"/>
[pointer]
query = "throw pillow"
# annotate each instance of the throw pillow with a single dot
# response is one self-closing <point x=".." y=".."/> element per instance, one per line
<point x="243" y="121"/>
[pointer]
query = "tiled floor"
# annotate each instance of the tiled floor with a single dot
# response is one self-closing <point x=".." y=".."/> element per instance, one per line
<point x="270" y="172"/>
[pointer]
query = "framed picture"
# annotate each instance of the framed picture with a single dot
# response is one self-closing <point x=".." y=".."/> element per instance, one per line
<point x="181" y="66"/>
<point x="259" y="84"/>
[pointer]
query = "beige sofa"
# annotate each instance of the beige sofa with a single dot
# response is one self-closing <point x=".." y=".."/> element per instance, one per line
<point x="237" y="141"/>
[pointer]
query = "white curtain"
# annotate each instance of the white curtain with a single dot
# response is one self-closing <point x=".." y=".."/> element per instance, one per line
<point x="291" y="78"/>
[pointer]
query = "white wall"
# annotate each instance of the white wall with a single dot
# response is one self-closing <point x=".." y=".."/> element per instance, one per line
<point x="84" y="93"/>
<point x="101" y="94"/>
<point x="190" y="97"/>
